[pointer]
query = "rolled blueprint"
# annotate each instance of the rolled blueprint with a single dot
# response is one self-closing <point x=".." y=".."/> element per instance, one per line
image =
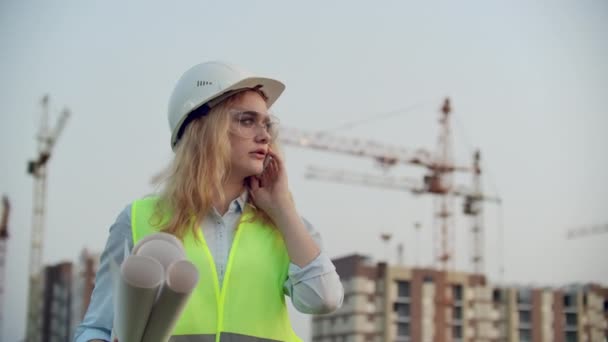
<point x="182" y="277"/>
<point x="136" y="286"/>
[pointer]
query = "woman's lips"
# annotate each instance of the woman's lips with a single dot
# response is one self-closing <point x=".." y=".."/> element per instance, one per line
<point x="258" y="155"/>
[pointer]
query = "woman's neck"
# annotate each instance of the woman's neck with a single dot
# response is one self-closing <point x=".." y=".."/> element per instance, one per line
<point x="232" y="190"/>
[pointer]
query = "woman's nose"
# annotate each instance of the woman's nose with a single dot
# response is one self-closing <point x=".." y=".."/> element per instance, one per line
<point x="262" y="135"/>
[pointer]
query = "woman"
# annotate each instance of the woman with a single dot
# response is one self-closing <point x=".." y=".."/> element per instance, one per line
<point x="227" y="198"/>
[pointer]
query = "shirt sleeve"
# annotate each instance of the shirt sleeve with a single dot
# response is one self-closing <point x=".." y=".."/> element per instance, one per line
<point x="98" y="320"/>
<point x="316" y="287"/>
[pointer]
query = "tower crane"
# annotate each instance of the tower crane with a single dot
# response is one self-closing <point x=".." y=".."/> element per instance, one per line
<point x="437" y="181"/>
<point x="37" y="168"/>
<point x="472" y="196"/>
<point x="586" y="231"/>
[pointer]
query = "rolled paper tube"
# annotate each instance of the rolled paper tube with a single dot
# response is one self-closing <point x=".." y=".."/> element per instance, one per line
<point x="165" y="252"/>
<point x="157" y="236"/>
<point x="182" y="277"/>
<point x="135" y="291"/>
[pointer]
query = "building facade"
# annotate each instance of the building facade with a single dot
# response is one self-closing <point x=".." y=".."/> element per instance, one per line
<point x="56" y="309"/>
<point x="84" y="281"/>
<point x="66" y="292"/>
<point x="402" y="304"/>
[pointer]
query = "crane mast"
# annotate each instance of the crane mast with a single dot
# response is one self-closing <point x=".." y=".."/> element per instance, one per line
<point x="37" y="168"/>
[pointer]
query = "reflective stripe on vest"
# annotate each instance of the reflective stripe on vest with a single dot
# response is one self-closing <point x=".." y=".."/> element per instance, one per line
<point x="224" y="337"/>
<point x="250" y="305"/>
<point x="192" y="338"/>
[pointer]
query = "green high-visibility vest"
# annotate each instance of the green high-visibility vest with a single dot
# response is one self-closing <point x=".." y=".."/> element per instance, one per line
<point x="250" y="305"/>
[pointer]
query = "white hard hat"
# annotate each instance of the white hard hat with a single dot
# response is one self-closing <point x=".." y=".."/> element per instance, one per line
<point x="207" y="84"/>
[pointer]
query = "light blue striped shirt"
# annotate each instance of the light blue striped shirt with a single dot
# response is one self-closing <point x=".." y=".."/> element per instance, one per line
<point x="314" y="288"/>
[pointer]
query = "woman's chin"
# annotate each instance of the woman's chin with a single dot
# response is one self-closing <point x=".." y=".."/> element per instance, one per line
<point x="255" y="171"/>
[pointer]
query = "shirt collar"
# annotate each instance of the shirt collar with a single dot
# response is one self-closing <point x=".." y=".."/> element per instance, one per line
<point x="241" y="201"/>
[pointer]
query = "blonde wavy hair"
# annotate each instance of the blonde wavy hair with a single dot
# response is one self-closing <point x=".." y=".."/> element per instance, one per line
<point x="199" y="170"/>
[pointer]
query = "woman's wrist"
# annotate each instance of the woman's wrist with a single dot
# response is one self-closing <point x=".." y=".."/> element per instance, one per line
<point x="282" y="213"/>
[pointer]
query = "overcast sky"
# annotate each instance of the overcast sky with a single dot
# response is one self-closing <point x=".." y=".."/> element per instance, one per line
<point x="528" y="83"/>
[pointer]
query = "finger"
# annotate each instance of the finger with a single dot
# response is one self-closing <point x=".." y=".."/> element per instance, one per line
<point x="264" y="176"/>
<point x="254" y="184"/>
<point x="272" y="170"/>
<point x="264" y="179"/>
<point x="275" y="168"/>
<point x="275" y="162"/>
<point x="275" y="156"/>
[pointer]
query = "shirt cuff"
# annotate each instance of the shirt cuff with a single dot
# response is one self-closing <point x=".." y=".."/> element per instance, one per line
<point x="317" y="267"/>
<point x="93" y="334"/>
